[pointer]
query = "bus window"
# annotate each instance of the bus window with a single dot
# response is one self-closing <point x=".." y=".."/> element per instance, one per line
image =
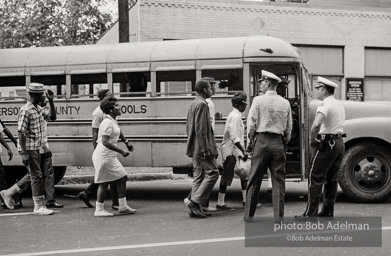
<point x="176" y="82"/>
<point x="55" y="83"/>
<point x="228" y="81"/>
<point x="86" y="85"/>
<point x="12" y="87"/>
<point x="288" y="71"/>
<point x="130" y="84"/>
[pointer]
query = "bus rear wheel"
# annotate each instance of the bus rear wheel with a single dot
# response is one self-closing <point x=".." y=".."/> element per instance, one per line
<point x="365" y="173"/>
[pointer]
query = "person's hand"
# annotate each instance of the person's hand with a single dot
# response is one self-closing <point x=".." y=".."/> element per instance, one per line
<point x="250" y="147"/>
<point x="45" y="149"/>
<point x="129" y="146"/>
<point x="125" y="153"/>
<point x="245" y="156"/>
<point x="206" y="155"/>
<point x="314" y="143"/>
<point x="50" y="95"/>
<point x="25" y="159"/>
<point x="10" y="154"/>
<point x="218" y="115"/>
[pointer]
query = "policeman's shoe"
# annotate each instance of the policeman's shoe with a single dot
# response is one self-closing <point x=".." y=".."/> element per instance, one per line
<point x="195" y="208"/>
<point x="305" y="217"/>
<point x="115" y="207"/>
<point x="8" y="199"/>
<point x="43" y="211"/>
<point x="325" y="215"/>
<point x="248" y="219"/>
<point x="53" y="204"/>
<point x="224" y="207"/>
<point x="83" y="196"/>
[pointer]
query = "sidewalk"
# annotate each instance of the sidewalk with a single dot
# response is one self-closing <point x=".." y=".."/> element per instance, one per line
<point x="85" y="175"/>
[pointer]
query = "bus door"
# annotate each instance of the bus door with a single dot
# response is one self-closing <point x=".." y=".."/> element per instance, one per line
<point x="291" y="92"/>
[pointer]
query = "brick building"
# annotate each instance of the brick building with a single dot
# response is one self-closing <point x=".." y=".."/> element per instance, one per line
<point x="347" y="41"/>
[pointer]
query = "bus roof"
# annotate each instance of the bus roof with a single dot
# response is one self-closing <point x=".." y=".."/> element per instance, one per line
<point x="96" y="57"/>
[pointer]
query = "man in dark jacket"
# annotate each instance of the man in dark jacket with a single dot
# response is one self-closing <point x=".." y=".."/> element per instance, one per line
<point x="201" y="147"/>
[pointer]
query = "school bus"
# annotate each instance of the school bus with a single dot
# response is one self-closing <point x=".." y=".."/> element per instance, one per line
<point x="155" y="82"/>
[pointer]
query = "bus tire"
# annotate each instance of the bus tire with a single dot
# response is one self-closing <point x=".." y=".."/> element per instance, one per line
<point x="365" y="173"/>
<point x="59" y="172"/>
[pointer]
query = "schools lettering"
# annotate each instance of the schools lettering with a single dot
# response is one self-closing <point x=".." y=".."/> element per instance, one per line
<point x="133" y="109"/>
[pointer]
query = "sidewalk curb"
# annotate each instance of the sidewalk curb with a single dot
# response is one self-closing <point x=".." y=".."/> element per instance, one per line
<point x="87" y="179"/>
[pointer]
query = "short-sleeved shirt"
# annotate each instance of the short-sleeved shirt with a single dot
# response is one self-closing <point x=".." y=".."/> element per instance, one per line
<point x="31" y="123"/>
<point x="97" y="117"/>
<point x="109" y="127"/>
<point x="270" y="113"/>
<point x="233" y="133"/>
<point x="212" y="112"/>
<point x="334" y="112"/>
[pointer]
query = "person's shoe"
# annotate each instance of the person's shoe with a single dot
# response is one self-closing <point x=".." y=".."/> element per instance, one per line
<point x="193" y="207"/>
<point x="248" y="219"/>
<point x="269" y="191"/>
<point x="209" y="209"/>
<point x="115" y="207"/>
<point x="304" y="217"/>
<point x="18" y="204"/>
<point x="83" y="196"/>
<point x="325" y="215"/>
<point x="103" y="213"/>
<point x="244" y="205"/>
<point x="7" y="199"/>
<point x="224" y="207"/>
<point x="3" y="206"/>
<point x="18" y="201"/>
<point x="206" y="213"/>
<point x="53" y="204"/>
<point x="43" y="211"/>
<point x="126" y="210"/>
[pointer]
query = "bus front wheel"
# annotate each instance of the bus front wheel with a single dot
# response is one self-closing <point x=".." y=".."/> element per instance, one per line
<point x="365" y="173"/>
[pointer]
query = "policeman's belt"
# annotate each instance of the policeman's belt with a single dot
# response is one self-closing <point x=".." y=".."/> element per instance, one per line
<point x="330" y="136"/>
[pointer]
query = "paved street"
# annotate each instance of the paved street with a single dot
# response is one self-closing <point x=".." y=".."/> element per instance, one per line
<point x="161" y="225"/>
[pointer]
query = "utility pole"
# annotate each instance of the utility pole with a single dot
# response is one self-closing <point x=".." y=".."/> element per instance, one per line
<point x="123" y="20"/>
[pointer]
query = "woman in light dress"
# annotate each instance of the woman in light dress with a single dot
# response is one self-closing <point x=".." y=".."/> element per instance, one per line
<point x="106" y="164"/>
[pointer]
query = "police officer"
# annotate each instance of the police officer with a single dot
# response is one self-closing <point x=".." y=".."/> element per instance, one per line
<point x="326" y="138"/>
<point x="270" y="121"/>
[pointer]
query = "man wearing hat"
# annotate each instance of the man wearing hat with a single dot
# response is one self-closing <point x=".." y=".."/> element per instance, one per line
<point x="326" y="138"/>
<point x="201" y="147"/>
<point x="31" y="138"/>
<point x="271" y="123"/>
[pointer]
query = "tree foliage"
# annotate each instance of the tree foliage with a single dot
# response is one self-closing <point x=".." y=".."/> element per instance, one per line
<point x="26" y="23"/>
